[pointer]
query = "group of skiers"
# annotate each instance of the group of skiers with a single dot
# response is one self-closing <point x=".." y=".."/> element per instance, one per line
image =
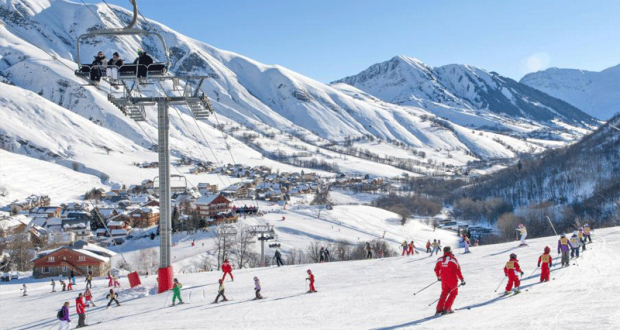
<point x="408" y="248"/>
<point x="448" y="270"/>
<point x="433" y="248"/>
<point x="82" y="301"/>
<point x="99" y="65"/>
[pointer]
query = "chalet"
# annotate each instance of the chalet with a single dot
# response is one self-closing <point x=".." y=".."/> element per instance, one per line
<point x="210" y="206"/>
<point x="237" y="190"/>
<point x="47" y="211"/>
<point x="144" y="217"/>
<point x="207" y="189"/>
<point x="81" y="257"/>
<point x="106" y="213"/>
<point x="13" y="225"/>
<point x="29" y="203"/>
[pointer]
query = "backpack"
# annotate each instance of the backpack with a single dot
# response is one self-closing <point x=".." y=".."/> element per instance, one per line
<point x="60" y="314"/>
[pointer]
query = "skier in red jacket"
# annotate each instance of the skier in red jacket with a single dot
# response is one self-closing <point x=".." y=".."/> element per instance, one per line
<point x="546" y="261"/>
<point x="227" y="269"/>
<point x="512" y="270"/>
<point x="448" y="271"/>
<point x="79" y="308"/>
<point x="311" y="279"/>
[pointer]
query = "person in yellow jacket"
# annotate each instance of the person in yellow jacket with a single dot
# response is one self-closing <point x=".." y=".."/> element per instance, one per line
<point x="586" y="232"/>
<point x="404" y="245"/>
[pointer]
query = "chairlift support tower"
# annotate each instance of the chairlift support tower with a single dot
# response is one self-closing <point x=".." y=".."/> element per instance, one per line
<point x="132" y="102"/>
<point x="266" y="233"/>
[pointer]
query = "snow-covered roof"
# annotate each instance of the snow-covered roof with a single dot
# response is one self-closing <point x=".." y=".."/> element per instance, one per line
<point x="54" y="221"/>
<point x="118" y="232"/>
<point x="115" y="223"/>
<point x="205" y="200"/>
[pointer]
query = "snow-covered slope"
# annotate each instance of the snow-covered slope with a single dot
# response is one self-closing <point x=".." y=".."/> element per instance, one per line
<point x="22" y="176"/>
<point x="464" y="94"/>
<point x="596" y="93"/>
<point x="370" y="294"/>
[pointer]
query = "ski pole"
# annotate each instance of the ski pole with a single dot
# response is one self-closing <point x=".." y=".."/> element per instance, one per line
<point x="426" y="287"/>
<point x="167" y="296"/>
<point x="534" y="271"/>
<point x="500" y="283"/>
<point x="436" y="300"/>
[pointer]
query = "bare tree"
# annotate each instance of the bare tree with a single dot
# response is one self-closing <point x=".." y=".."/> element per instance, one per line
<point x="224" y="242"/>
<point x="147" y="261"/>
<point x="203" y="263"/>
<point x="313" y="252"/>
<point x="342" y="250"/>
<point x="243" y="246"/>
<point x="20" y="251"/>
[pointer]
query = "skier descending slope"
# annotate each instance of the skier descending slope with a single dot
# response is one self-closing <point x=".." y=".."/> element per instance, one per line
<point x="546" y="261"/>
<point x="227" y="269"/>
<point x="575" y="245"/>
<point x="586" y="232"/>
<point x="521" y="229"/>
<point x="448" y="271"/>
<point x="466" y="243"/>
<point x="311" y="279"/>
<point x="512" y="270"/>
<point x="176" y="289"/>
<point x="564" y="247"/>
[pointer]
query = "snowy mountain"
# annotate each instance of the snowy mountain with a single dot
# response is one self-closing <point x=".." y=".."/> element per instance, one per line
<point x="596" y="93"/>
<point x="253" y="98"/>
<point x="584" y="176"/>
<point x="464" y="94"/>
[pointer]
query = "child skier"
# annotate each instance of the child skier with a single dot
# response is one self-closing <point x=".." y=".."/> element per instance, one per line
<point x="115" y="281"/>
<point x="575" y="245"/>
<point x="512" y="270"/>
<point x="435" y="247"/>
<point x="227" y="269"/>
<point x="69" y="284"/>
<point x="53" y="286"/>
<point x="369" y="251"/>
<point x="410" y="250"/>
<point x="176" y="289"/>
<point x="24" y="289"/>
<point x="521" y="229"/>
<point x="89" y="298"/>
<point x="586" y="232"/>
<point x="466" y="243"/>
<point x="89" y="279"/>
<point x="110" y="281"/>
<point x="546" y="261"/>
<point x="220" y="292"/>
<point x="582" y="238"/>
<point x="428" y="246"/>
<point x="257" y="288"/>
<point x="112" y="296"/>
<point x="404" y="245"/>
<point x="64" y="285"/>
<point x="564" y="247"/>
<point x="448" y="271"/>
<point x="311" y="279"/>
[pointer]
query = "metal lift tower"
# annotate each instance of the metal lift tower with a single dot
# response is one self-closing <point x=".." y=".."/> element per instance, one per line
<point x="129" y="96"/>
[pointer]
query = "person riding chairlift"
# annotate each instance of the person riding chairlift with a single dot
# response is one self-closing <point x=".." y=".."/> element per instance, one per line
<point x="113" y="64"/>
<point x="96" y="70"/>
<point x="143" y="61"/>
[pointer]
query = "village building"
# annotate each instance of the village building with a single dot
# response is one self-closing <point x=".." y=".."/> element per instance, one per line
<point x="210" y="206"/>
<point x="81" y="257"/>
<point x="144" y="217"/>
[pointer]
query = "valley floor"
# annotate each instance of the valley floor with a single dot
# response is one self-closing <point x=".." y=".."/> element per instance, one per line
<point x="371" y="294"/>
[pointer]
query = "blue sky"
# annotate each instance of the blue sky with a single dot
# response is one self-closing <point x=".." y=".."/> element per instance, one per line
<point x="328" y="40"/>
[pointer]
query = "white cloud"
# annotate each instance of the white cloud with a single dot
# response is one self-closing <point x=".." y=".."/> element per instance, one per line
<point x="537" y="62"/>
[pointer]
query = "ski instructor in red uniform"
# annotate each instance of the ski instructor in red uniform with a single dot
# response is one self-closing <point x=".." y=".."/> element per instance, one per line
<point x="448" y="271"/>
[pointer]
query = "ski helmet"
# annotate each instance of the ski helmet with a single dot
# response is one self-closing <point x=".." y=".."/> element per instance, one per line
<point x="586" y="225"/>
<point x="547" y="249"/>
<point x="176" y="280"/>
<point x="513" y="256"/>
<point x="447" y="249"/>
<point x="255" y="278"/>
<point x="563" y="235"/>
<point x="221" y="280"/>
<point x="309" y="271"/>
